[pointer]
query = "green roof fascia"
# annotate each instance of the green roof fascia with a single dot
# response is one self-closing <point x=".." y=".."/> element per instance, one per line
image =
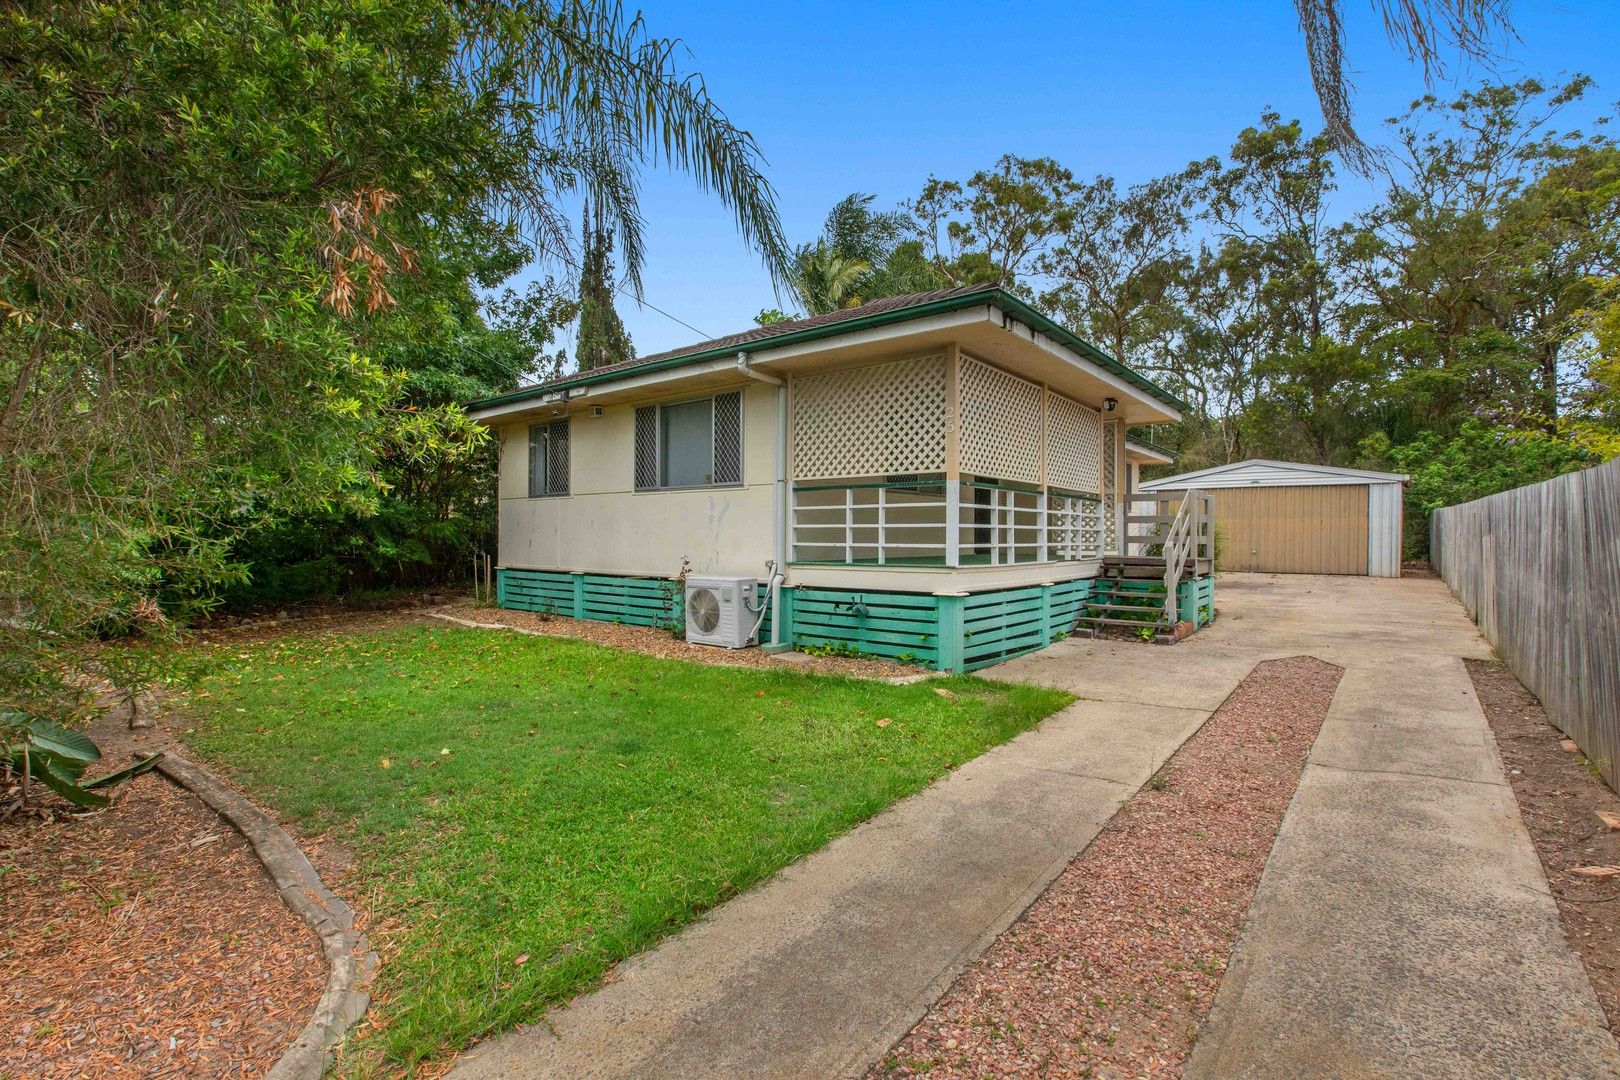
<point x="990" y="297"/>
<point x="1159" y="448"/>
<point x="1014" y="306"/>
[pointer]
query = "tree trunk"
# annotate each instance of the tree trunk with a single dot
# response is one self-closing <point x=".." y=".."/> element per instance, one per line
<point x="25" y="379"/>
<point x="1548" y="363"/>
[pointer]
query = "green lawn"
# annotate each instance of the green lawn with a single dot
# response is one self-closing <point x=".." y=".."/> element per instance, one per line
<point x="527" y="811"/>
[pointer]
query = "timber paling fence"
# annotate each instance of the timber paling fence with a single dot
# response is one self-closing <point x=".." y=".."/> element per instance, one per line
<point x="1538" y="568"/>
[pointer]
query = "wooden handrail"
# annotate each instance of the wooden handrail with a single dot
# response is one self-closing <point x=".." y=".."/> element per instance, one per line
<point x="1188" y="537"/>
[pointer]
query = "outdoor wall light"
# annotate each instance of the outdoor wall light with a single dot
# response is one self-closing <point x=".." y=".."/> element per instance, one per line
<point x="1110" y="404"/>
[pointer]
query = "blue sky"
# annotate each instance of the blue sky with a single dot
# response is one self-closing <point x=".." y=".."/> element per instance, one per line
<point x="874" y="98"/>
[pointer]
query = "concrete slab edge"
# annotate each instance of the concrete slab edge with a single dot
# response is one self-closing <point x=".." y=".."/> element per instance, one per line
<point x="349" y="959"/>
<point x="1223" y="1011"/>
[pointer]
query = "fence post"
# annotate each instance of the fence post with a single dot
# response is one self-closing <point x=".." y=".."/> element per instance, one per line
<point x="952" y="630"/>
<point x="783" y="616"/>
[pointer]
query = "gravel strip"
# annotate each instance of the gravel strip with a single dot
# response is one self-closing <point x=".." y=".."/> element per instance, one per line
<point x="1561" y="796"/>
<point x="1113" y="969"/>
<point x="146" y="941"/>
<point x="645" y="639"/>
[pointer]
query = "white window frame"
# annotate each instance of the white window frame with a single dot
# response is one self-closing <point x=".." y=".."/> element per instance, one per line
<point x="714" y="444"/>
<point x="543" y="433"/>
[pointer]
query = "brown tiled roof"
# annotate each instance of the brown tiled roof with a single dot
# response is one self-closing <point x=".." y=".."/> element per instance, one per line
<point x="766" y="333"/>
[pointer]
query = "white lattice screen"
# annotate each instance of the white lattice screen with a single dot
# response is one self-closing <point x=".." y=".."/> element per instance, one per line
<point x="1074" y="445"/>
<point x="1001" y="424"/>
<point x="870" y="421"/>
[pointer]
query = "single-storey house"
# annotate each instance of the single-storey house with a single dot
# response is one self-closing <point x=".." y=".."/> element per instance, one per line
<point x="1285" y="517"/>
<point x="936" y="478"/>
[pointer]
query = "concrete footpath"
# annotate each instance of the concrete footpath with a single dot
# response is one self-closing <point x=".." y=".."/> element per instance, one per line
<point x="819" y="971"/>
<point x="1403" y="926"/>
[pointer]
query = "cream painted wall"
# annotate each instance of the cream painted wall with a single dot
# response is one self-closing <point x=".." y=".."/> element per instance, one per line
<point x="605" y="525"/>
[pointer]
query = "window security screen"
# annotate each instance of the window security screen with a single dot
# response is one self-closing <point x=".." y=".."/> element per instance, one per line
<point x="548" y="459"/>
<point x="689" y="444"/>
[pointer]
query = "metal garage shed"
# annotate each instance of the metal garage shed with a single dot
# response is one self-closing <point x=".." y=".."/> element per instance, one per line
<point x="1285" y="517"/>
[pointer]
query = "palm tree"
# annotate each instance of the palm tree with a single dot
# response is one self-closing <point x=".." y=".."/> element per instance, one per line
<point x="826" y="279"/>
<point x="1425" y="29"/>
<point x="583" y="99"/>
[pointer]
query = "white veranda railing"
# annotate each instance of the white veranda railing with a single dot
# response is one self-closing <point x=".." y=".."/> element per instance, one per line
<point x="925" y="521"/>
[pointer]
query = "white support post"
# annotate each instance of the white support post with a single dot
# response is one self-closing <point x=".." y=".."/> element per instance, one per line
<point x="1042" y="506"/>
<point x="995" y="526"/>
<point x="882" y="523"/>
<point x="1004" y="519"/>
<point x="952" y="423"/>
<point x="849" y="526"/>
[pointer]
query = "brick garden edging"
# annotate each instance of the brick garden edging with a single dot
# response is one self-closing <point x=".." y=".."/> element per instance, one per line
<point x="349" y="959"/>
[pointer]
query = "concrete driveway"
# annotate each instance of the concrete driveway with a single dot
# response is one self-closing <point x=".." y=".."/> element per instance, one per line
<point x="1402" y="926"/>
<point x="1343" y="620"/>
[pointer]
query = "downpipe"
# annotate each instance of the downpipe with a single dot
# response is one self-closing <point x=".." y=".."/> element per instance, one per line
<point x="778" y="568"/>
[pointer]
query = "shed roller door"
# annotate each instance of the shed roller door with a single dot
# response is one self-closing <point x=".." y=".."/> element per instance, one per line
<point x="1293" y="530"/>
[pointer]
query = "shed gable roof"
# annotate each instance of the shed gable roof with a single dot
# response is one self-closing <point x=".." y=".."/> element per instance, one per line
<point x="1263" y="472"/>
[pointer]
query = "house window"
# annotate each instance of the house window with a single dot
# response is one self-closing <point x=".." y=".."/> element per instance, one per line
<point x="689" y="444"/>
<point x="548" y="459"/>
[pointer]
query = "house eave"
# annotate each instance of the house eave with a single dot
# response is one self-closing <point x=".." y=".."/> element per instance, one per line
<point x="1038" y="328"/>
<point x="1143" y="454"/>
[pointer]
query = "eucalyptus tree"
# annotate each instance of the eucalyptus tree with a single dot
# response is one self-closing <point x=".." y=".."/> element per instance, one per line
<point x="1113" y="268"/>
<point x="1472" y="270"/>
<point x="1220" y="339"/>
<point x="1565" y="232"/>
<point x="994" y="227"/>
<point x="217" y="217"/>
<point x="1271" y="193"/>
<point x="1592" y="423"/>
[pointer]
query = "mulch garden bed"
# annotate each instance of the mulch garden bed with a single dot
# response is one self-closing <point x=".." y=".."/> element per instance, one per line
<point x="654" y="642"/>
<point x="1113" y="969"/>
<point x="1560" y="795"/>
<point x="146" y="941"/>
<point x="641" y="639"/>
